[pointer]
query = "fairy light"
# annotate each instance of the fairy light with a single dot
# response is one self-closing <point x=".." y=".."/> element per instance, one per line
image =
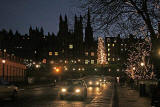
<point x="135" y="59"/>
<point x="101" y="51"/>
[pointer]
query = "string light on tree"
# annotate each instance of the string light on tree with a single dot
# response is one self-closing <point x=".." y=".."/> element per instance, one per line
<point x="101" y="52"/>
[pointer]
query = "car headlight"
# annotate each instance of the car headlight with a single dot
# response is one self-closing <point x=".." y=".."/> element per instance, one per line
<point x="77" y="90"/>
<point x="63" y="90"/>
<point x="97" y="83"/>
<point x="90" y="82"/>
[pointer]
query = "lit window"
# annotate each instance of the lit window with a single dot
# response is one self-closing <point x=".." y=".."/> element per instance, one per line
<point x="92" y="61"/>
<point x="118" y="70"/>
<point x="56" y="53"/>
<point x="86" y="61"/>
<point x="79" y="60"/>
<point x="109" y="49"/>
<point x="113" y="45"/>
<point x="113" y="59"/>
<point x="74" y="69"/>
<point x="35" y="52"/>
<point x="65" y="61"/>
<point x="121" y="49"/>
<point x="121" y="44"/>
<point x="108" y="54"/>
<point x="108" y="45"/>
<point x="118" y="59"/>
<point x="50" y="53"/>
<point x="86" y="53"/>
<point x="92" y="53"/>
<point x="52" y="62"/>
<point x="70" y="46"/>
<point x="115" y="41"/>
<point x="109" y="59"/>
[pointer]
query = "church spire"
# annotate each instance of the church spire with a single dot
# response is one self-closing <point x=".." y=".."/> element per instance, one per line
<point x="88" y="32"/>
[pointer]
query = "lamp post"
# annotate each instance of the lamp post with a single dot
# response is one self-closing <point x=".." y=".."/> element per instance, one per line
<point x="3" y="61"/>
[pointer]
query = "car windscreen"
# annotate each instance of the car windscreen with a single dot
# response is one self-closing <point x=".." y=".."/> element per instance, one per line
<point x="73" y="82"/>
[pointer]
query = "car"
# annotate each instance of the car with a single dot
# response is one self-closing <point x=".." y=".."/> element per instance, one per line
<point x="73" y="88"/>
<point x="8" y="90"/>
<point x="93" y="82"/>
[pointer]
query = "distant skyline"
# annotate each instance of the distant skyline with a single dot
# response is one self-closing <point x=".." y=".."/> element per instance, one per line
<point x="21" y="14"/>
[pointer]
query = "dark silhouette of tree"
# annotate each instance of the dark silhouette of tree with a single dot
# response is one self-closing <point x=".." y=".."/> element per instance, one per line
<point x="121" y="15"/>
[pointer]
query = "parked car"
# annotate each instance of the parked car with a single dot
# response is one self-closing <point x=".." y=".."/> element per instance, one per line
<point x="73" y="88"/>
<point x="8" y="90"/>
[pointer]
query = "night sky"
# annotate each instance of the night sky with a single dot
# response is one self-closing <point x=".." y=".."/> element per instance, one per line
<point x="21" y="14"/>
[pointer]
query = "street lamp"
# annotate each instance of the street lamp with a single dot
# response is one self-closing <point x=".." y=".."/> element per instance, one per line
<point x="37" y="66"/>
<point x="134" y="68"/>
<point x="142" y="64"/>
<point x="3" y="61"/>
<point x="159" y="52"/>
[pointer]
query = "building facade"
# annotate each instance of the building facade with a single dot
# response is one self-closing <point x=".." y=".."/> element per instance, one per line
<point x="12" y="68"/>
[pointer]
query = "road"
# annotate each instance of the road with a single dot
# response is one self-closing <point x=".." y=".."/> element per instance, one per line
<point x="48" y="97"/>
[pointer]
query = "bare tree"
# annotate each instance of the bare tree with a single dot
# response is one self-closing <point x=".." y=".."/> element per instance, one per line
<point x="125" y="16"/>
<point x="138" y="63"/>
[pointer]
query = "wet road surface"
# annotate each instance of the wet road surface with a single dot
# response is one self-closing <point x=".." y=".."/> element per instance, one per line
<point x="48" y="97"/>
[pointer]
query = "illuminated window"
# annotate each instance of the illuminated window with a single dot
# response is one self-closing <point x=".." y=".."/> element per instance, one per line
<point x="92" y="53"/>
<point x="86" y="61"/>
<point x="65" y="61"/>
<point x="70" y="46"/>
<point x="52" y="62"/>
<point x="121" y="49"/>
<point x="113" y="45"/>
<point x="92" y="61"/>
<point x="108" y="54"/>
<point x="113" y="59"/>
<point x="109" y="70"/>
<point x="118" y="70"/>
<point x="56" y="53"/>
<point x="50" y="53"/>
<point x="109" y="59"/>
<point x="109" y="49"/>
<point x="108" y="45"/>
<point x="121" y="44"/>
<point x="118" y="59"/>
<point x="115" y="41"/>
<point x="86" y="53"/>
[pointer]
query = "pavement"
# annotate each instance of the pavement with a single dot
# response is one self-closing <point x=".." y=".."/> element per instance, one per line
<point x="32" y="86"/>
<point x="128" y="97"/>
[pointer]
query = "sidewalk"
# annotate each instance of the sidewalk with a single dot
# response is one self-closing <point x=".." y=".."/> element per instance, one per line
<point x="32" y="86"/>
<point x="130" y="98"/>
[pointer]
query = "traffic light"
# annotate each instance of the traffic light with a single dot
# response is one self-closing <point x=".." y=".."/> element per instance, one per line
<point x="57" y="69"/>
